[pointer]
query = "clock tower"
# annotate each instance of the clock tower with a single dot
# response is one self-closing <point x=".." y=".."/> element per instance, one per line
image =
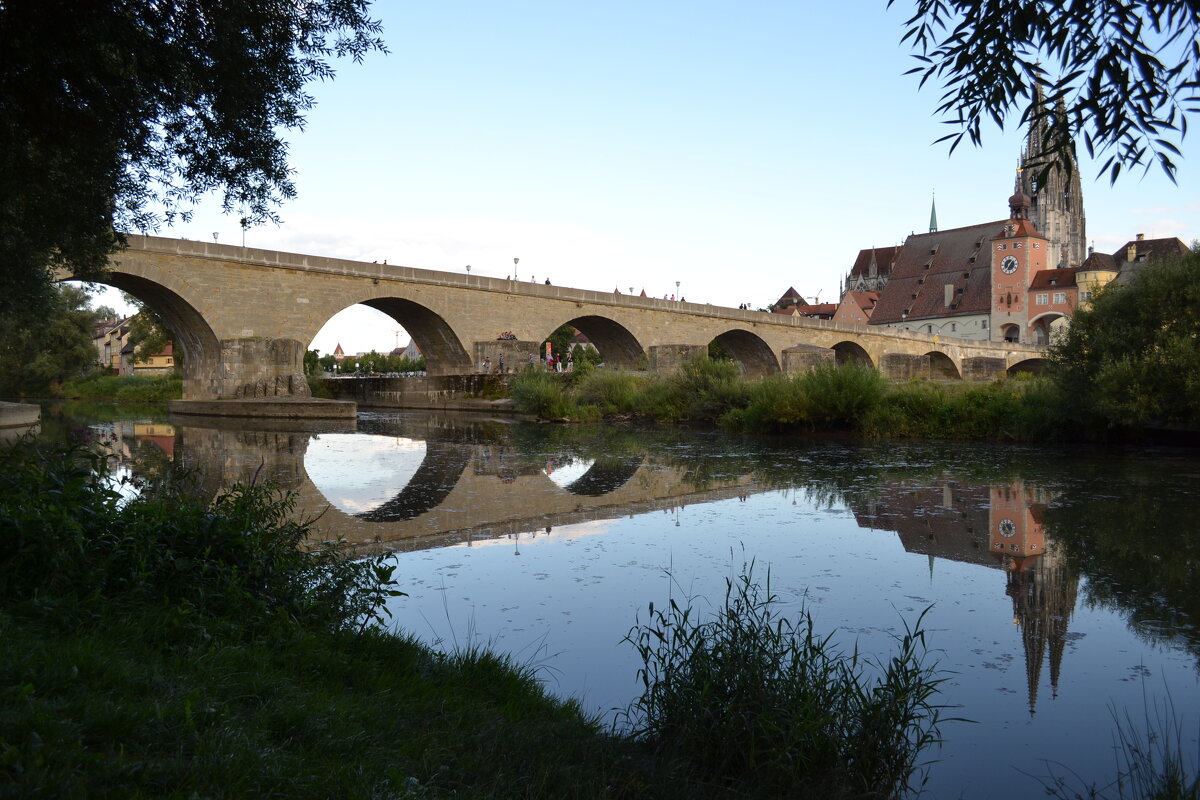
<point x="1018" y="253"/>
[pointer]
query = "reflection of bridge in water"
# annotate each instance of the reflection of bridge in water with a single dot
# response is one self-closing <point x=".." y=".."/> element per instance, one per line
<point x="462" y="490"/>
<point x="471" y="485"/>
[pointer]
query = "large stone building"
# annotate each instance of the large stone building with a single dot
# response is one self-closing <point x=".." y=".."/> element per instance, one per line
<point x="986" y="281"/>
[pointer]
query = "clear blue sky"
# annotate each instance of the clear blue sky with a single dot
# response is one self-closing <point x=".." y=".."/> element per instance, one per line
<point x="738" y="149"/>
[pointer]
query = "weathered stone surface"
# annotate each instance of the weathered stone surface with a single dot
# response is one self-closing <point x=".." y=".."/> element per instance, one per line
<point x="982" y="368"/>
<point x="902" y="367"/>
<point x="802" y="358"/>
<point x="667" y="359"/>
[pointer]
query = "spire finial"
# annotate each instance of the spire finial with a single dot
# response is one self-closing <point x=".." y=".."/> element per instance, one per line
<point x="933" y="212"/>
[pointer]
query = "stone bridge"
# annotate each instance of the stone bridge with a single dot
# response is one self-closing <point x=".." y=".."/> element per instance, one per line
<point x="243" y="319"/>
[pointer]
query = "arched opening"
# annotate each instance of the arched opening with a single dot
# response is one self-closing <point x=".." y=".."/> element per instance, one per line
<point x="753" y="356"/>
<point x="1010" y="333"/>
<point x="1043" y="328"/>
<point x="1030" y="366"/>
<point x="395" y="326"/>
<point x="197" y="349"/>
<point x="852" y="353"/>
<point x="942" y="368"/>
<point x="616" y="345"/>
<point x="594" y="477"/>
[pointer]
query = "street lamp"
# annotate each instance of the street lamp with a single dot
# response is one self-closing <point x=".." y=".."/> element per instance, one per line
<point x="214" y="236"/>
<point x="677" y="297"/>
<point x="468" y="270"/>
<point x="515" y="261"/>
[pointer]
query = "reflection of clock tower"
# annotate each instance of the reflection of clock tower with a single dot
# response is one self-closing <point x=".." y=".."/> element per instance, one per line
<point x="1042" y="586"/>
<point x="1018" y="253"/>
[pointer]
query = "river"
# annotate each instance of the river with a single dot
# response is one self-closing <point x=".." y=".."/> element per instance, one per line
<point x="1061" y="583"/>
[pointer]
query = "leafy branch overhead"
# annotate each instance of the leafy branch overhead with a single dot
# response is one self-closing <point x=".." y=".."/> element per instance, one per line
<point x="119" y="116"/>
<point x="1122" y="76"/>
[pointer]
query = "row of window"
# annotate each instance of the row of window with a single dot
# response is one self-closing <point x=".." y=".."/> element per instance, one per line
<point x="1043" y="298"/>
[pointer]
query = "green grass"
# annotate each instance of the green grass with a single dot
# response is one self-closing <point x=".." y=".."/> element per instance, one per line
<point x="125" y="389"/>
<point x="847" y="399"/>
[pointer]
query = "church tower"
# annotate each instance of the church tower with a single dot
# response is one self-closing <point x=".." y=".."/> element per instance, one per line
<point x="1056" y="208"/>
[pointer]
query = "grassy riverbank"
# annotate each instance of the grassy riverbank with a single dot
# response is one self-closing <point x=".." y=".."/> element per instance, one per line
<point x="124" y="389"/>
<point x="846" y="399"/>
<point x="174" y="647"/>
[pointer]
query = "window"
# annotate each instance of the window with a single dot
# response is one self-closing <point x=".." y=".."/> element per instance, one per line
<point x="983" y="324"/>
<point x="1085" y="296"/>
<point x="1042" y="299"/>
<point x="1060" y="297"/>
<point x="953" y="327"/>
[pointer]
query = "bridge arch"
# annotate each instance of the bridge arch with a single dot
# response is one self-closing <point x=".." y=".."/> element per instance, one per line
<point x="444" y="353"/>
<point x="616" y="345"/>
<point x="1031" y="366"/>
<point x="1045" y="326"/>
<point x="193" y="336"/>
<point x="942" y="367"/>
<point x="852" y="353"/>
<point x="754" y="357"/>
<point x="603" y="475"/>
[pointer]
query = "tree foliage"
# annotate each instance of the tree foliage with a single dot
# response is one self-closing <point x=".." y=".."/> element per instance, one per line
<point x="1133" y="358"/>
<point x="148" y="333"/>
<point x="43" y="350"/>
<point x="1122" y="75"/>
<point x="119" y="116"/>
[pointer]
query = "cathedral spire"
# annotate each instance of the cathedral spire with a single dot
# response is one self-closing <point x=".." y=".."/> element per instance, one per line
<point x="933" y="214"/>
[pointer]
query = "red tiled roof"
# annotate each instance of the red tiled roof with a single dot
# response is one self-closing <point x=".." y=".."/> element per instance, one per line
<point x="884" y="256"/>
<point x="1053" y="278"/>
<point x="1100" y="261"/>
<point x="818" y="310"/>
<point x="927" y="262"/>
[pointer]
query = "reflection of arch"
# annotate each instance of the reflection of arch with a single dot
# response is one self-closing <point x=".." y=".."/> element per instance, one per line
<point x="1010" y="333"/>
<point x="438" y="474"/>
<point x="616" y="345"/>
<point x="1032" y="366"/>
<point x="852" y="353"/>
<point x="753" y="356"/>
<point x="941" y="367"/>
<point x="201" y="351"/>
<point x="444" y="353"/>
<point x="605" y="475"/>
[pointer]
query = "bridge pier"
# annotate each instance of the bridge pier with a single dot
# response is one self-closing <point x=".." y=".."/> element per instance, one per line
<point x="261" y="367"/>
<point x="514" y="355"/>
<point x="667" y="359"/>
<point x="803" y="357"/>
<point x="903" y="367"/>
<point x="983" y="368"/>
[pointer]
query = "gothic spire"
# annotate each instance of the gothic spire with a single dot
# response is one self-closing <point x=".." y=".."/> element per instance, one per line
<point x="933" y="214"/>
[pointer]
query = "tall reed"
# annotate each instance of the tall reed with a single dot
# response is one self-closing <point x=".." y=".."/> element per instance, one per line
<point x="752" y="698"/>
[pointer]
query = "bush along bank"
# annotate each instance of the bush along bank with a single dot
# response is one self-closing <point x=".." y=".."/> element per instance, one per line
<point x="169" y="646"/>
<point x="125" y="389"/>
<point x="849" y="399"/>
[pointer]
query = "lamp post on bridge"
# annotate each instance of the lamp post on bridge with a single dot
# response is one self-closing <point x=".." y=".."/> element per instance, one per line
<point x="515" y="262"/>
<point x="468" y="271"/>
<point x="677" y="297"/>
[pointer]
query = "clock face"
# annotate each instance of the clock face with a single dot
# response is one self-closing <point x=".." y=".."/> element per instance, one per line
<point x="1009" y="265"/>
<point x="1007" y="528"/>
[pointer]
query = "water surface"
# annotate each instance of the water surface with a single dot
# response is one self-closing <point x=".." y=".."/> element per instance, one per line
<point x="1061" y="584"/>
